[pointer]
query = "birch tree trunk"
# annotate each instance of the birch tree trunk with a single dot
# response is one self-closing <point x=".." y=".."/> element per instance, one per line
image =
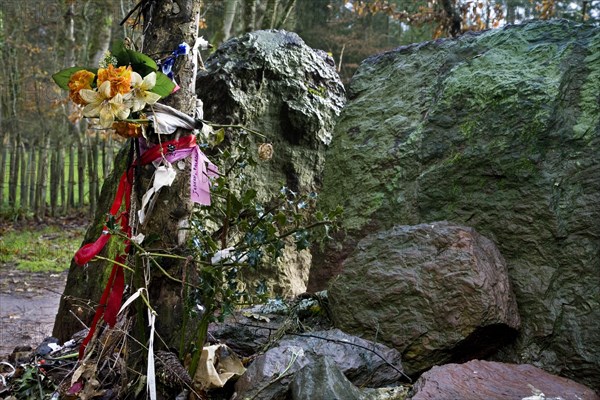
<point x="43" y="178"/>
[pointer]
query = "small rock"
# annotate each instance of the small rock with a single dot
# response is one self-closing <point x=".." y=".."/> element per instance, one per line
<point x="322" y="380"/>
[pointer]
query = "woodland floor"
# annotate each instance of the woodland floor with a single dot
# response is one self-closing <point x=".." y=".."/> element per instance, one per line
<point x="29" y="298"/>
<point x="28" y="305"/>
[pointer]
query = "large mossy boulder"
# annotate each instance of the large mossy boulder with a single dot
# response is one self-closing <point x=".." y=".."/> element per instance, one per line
<point x="498" y="131"/>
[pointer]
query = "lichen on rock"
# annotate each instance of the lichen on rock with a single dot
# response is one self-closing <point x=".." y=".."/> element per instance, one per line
<point x="500" y="131"/>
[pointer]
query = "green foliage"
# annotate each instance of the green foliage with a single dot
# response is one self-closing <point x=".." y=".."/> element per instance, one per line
<point x="244" y="230"/>
<point x="143" y="65"/>
<point x="33" y="384"/>
<point x="139" y="62"/>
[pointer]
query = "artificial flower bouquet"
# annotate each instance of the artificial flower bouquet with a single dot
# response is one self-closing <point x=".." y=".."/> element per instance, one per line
<point x="119" y="90"/>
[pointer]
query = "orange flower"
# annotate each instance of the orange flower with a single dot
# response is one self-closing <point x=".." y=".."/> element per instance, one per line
<point x="128" y="129"/>
<point x="81" y="79"/>
<point x="119" y="78"/>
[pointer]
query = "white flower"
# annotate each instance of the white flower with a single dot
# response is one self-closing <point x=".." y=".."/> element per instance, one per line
<point x="140" y="94"/>
<point x="102" y="104"/>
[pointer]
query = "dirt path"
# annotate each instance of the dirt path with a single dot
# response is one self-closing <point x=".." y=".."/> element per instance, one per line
<point x="28" y="306"/>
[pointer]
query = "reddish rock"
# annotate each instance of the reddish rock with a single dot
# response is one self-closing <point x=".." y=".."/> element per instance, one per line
<point x="478" y="380"/>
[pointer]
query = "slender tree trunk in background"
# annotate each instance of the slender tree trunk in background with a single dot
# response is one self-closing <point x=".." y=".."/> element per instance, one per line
<point x="32" y="176"/>
<point x="270" y="18"/>
<point x="14" y="175"/>
<point x="230" y="7"/>
<point x="249" y="15"/>
<point x="36" y="198"/>
<point x="104" y="35"/>
<point x="110" y="155"/>
<point x="510" y="11"/>
<point x="91" y="160"/>
<point x="70" y="201"/>
<point x="103" y="158"/>
<point x="24" y="195"/>
<point x="61" y="175"/>
<point x="3" y="154"/>
<point x="12" y="184"/>
<point x="81" y="158"/>
<point x="53" y="182"/>
<point x="286" y="14"/>
<point x="43" y="177"/>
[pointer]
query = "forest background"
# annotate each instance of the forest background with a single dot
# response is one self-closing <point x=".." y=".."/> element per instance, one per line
<point x="52" y="163"/>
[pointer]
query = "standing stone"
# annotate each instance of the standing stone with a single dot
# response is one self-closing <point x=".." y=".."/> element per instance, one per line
<point x="499" y="131"/>
<point x="436" y="292"/>
<point x="273" y="82"/>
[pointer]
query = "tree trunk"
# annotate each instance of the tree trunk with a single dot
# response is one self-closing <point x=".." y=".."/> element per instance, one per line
<point x="32" y="177"/>
<point x="92" y="173"/>
<point x="3" y="154"/>
<point x="249" y="15"/>
<point x="24" y="192"/>
<point x="70" y="201"/>
<point x="165" y="222"/>
<point x="43" y="178"/>
<point x="61" y="176"/>
<point x="81" y="157"/>
<point x="14" y="174"/>
<point x="110" y="156"/>
<point x="164" y="31"/>
<point x="53" y="182"/>
<point x="270" y="18"/>
<point x="230" y="7"/>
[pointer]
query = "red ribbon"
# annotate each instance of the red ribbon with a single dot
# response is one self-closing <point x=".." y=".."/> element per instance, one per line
<point x="110" y="302"/>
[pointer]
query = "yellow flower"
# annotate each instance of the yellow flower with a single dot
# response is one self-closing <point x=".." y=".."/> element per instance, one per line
<point x="81" y="79"/>
<point x="140" y="94"/>
<point x="119" y="78"/>
<point x="102" y="104"/>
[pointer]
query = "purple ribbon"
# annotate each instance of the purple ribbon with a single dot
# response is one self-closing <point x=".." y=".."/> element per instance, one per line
<point x="202" y="171"/>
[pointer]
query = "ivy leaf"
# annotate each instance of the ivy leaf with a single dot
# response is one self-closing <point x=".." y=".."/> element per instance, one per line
<point x="63" y="77"/>
<point x="164" y="86"/>
<point x="140" y="63"/>
<point x="119" y="51"/>
<point x="281" y="218"/>
<point x="218" y="137"/>
<point x="249" y="196"/>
